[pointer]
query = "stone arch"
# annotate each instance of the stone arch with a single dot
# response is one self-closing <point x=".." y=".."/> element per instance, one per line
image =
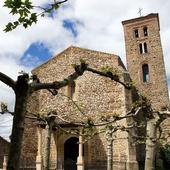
<point x="60" y="140"/>
<point x="71" y="153"/>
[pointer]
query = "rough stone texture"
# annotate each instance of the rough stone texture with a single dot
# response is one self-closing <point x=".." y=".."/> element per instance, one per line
<point x="95" y="95"/>
<point x="91" y="87"/>
<point x="156" y="89"/>
<point x="4" y="147"/>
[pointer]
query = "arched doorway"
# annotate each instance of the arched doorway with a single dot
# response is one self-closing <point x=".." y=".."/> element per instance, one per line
<point x="71" y="153"/>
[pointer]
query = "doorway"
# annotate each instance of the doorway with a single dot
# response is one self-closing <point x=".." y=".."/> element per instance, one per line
<point x="71" y="153"/>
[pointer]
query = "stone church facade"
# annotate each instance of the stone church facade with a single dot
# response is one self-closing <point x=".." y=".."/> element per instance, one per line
<point x="97" y="96"/>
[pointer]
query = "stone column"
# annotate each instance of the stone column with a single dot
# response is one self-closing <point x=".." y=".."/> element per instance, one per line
<point x="131" y="163"/>
<point x="80" y="159"/>
<point x="5" y="162"/>
<point x="39" y="152"/>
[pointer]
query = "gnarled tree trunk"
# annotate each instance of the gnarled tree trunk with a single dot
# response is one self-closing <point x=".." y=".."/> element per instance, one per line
<point x="109" y="138"/>
<point x="49" y="126"/>
<point x="22" y="92"/>
<point x="150" y="144"/>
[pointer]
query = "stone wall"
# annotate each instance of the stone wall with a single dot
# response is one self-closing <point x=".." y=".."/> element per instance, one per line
<point x="156" y="89"/>
<point x="95" y="95"/>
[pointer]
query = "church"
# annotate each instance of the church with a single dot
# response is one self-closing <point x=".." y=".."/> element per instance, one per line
<point x="92" y="96"/>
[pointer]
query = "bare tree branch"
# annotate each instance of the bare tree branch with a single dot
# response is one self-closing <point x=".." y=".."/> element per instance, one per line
<point x="119" y="118"/>
<point x="60" y="2"/>
<point x="7" y="80"/>
<point x="109" y="75"/>
<point x="79" y="70"/>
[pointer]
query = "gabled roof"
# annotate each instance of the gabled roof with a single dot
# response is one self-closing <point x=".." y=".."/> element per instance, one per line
<point x="72" y="48"/>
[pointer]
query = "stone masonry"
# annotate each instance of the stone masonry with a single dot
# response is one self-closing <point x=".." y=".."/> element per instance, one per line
<point x="95" y="95"/>
<point x="155" y="89"/>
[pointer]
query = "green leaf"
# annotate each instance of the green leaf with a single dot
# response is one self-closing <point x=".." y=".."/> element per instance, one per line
<point x="14" y="11"/>
<point x="21" y="19"/>
<point x="17" y="3"/>
<point x="16" y="23"/>
<point x="25" y="25"/>
<point x="8" y="3"/>
<point x="28" y="4"/>
<point x="33" y="17"/>
<point x="49" y="10"/>
<point x="8" y="27"/>
<point x="55" y="6"/>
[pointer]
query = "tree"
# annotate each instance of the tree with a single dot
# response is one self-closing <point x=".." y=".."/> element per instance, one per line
<point x="153" y="125"/>
<point x="26" y="12"/>
<point x="23" y="88"/>
<point x="49" y="125"/>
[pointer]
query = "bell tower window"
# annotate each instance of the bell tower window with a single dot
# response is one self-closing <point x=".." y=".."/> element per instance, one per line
<point x="136" y="33"/>
<point x="145" y="31"/>
<point x="143" y="48"/>
<point x="145" y="72"/>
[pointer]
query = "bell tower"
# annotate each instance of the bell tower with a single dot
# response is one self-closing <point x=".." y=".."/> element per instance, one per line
<point x="145" y="58"/>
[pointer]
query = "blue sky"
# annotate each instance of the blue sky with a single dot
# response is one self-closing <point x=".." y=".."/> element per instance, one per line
<point x="70" y="26"/>
<point x="36" y="54"/>
<point x="88" y="24"/>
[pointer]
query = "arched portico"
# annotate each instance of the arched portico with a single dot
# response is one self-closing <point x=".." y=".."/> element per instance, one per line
<point x="71" y="153"/>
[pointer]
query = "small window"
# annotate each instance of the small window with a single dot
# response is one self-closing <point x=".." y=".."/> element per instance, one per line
<point x="145" y="47"/>
<point x="140" y="48"/>
<point x="145" y="31"/>
<point x="136" y="33"/>
<point x="145" y="71"/>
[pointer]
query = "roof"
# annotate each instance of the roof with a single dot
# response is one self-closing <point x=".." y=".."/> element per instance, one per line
<point x="1" y="138"/>
<point x="149" y="16"/>
<point x="71" y="48"/>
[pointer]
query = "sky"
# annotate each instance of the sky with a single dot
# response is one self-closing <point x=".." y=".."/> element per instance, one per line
<point x="89" y="24"/>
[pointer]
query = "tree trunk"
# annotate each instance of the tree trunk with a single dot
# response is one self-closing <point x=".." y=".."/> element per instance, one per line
<point x="109" y="148"/>
<point x="47" y="146"/>
<point x="22" y="92"/>
<point x="150" y="145"/>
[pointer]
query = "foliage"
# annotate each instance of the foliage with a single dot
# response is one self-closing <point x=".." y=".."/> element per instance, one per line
<point x="89" y="123"/>
<point x="24" y="9"/>
<point x="110" y="70"/>
<point x="145" y="104"/>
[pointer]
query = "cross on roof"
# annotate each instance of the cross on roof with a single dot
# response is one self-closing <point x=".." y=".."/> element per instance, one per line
<point x="140" y="12"/>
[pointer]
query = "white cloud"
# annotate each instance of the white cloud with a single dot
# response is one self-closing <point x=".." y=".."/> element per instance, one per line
<point x="9" y="67"/>
<point x="5" y="126"/>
